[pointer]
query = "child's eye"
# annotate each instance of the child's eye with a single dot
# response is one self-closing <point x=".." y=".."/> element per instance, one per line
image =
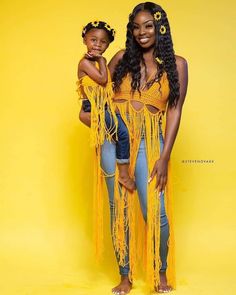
<point x="149" y="26"/>
<point x="104" y="42"/>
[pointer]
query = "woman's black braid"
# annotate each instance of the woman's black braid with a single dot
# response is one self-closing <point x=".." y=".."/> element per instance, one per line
<point x="133" y="56"/>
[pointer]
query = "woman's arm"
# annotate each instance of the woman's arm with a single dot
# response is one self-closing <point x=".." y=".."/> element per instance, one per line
<point x="114" y="61"/>
<point x="173" y="117"/>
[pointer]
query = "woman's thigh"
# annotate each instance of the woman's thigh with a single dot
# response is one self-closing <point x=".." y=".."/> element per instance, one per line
<point x="141" y="180"/>
<point x="141" y="177"/>
<point x="108" y="164"/>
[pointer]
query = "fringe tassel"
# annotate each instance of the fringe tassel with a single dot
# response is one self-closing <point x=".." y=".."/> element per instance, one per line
<point x="147" y="122"/>
<point x="98" y="206"/>
<point x="127" y="222"/>
<point x="99" y="97"/>
<point x="119" y="229"/>
<point x="170" y="273"/>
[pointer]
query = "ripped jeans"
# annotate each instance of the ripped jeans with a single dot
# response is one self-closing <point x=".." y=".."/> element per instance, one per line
<point x="108" y="163"/>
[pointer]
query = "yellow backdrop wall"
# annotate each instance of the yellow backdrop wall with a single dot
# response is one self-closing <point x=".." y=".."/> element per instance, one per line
<point x="46" y="163"/>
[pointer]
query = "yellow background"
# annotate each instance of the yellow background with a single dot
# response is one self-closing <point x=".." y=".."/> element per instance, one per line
<point x="46" y="164"/>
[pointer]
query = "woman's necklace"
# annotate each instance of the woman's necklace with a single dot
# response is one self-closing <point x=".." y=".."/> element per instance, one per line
<point x="151" y="79"/>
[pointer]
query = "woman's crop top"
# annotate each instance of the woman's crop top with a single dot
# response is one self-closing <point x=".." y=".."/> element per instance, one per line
<point x="156" y="96"/>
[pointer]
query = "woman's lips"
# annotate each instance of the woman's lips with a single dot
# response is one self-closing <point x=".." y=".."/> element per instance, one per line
<point x="143" y="40"/>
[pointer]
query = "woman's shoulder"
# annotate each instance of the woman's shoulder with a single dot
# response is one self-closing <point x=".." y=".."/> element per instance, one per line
<point x="180" y="60"/>
<point x="181" y="64"/>
<point x="119" y="54"/>
<point x="115" y="60"/>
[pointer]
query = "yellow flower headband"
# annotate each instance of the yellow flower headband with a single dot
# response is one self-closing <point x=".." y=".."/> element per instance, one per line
<point x="157" y="16"/>
<point x="95" y="24"/>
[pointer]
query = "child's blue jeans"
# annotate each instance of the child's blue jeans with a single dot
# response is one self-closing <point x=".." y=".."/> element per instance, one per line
<point x="122" y="142"/>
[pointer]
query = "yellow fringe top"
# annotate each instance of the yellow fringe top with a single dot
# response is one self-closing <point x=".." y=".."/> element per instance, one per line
<point x="144" y="238"/>
<point x="141" y="123"/>
<point x="99" y="97"/>
<point x="156" y="95"/>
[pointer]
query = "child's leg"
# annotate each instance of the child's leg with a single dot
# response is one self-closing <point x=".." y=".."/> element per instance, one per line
<point x="86" y="106"/>
<point x="122" y="149"/>
<point x="110" y="124"/>
<point x="123" y="154"/>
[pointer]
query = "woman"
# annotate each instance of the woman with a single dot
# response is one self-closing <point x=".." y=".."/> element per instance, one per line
<point x="150" y="85"/>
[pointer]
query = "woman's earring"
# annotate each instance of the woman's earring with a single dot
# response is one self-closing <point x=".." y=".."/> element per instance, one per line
<point x="159" y="60"/>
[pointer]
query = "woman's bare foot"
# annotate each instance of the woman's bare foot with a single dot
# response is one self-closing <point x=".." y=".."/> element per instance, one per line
<point x="124" y="287"/>
<point x="163" y="287"/>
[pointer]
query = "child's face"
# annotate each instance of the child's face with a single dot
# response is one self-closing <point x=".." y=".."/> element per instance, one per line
<point x="97" y="41"/>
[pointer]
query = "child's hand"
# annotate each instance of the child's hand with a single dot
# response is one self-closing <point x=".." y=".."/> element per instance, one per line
<point x="93" y="55"/>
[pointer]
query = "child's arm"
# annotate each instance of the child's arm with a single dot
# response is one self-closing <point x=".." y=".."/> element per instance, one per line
<point x="87" y="67"/>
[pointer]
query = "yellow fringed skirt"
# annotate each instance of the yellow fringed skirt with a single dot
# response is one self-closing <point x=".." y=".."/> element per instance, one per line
<point x="126" y="216"/>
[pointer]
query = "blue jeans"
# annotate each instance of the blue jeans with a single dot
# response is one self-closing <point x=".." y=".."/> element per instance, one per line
<point x="122" y="143"/>
<point x="108" y="163"/>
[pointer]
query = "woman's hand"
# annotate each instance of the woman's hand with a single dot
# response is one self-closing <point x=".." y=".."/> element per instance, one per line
<point x="160" y="170"/>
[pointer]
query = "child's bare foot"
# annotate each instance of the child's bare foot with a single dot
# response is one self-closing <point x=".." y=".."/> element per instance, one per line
<point x="127" y="182"/>
<point x="124" y="287"/>
<point x="163" y="287"/>
<point x="124" y="177"/>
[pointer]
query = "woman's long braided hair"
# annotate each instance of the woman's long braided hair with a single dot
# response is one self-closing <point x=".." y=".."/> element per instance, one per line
<point x="133" y="56"/>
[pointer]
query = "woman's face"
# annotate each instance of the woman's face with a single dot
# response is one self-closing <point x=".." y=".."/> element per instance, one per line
<point x="144" y="29"/>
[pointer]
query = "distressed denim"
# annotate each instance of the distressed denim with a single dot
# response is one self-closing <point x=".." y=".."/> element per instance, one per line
<point x="108" y="163"/>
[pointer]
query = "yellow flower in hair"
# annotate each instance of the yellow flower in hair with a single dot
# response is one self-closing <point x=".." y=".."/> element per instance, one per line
<point x="113" y="32"/>
<point x="107" y="27"/>
<point x="157" y="15"/>
<point x="84" y="30"/>
<point x="95" y="23"/>
<point x="162" y="30"/>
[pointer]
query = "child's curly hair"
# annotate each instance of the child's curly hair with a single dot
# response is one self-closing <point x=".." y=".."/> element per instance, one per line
<point x="99" y="25"/>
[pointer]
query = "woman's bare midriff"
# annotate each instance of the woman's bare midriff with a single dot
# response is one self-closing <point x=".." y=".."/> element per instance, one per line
<point x="137" y="105"/>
